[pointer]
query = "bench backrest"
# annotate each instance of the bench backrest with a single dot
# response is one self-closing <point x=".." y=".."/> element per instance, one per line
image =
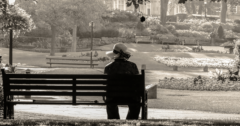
<point x="74" y="84"/>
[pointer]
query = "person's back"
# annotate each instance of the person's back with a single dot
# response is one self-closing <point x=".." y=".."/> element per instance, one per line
<point x="120" y="66"/>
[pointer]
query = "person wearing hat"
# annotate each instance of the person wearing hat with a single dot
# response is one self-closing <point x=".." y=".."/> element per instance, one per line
<point x="121" y="65"/>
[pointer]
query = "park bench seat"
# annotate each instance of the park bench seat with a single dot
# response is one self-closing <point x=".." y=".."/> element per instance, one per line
<point x="74" y="61"/>
<point x="72" y="85"/>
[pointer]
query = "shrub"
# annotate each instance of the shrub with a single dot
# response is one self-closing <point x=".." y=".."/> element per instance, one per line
<point x="126" y="33"/>
<point x="140" y="26"/>
<point x="207" y="27"/>
<point x="121" y="16"/>
<point x="146" y="32"/>
<point x="39" y="32"/>
<point x="201" y="84"/>
<point x="107" y="32"/>
<point x="237" y="21"/>
<point x="171" y="18"/>
<point x="158" y="29"/>
<point x="172" y="29"/>
<point x="181" y="25"/>
<point x="27" y="46"/>
<point x="236" y="29"/>
<point x="196" y="34"/>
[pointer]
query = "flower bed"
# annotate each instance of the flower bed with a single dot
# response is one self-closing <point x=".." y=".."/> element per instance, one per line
<point x="206" y="84"/>
<point x="195" y="62"/>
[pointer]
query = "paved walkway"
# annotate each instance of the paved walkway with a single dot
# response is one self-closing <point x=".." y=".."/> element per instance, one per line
<point x="99" y="112"/>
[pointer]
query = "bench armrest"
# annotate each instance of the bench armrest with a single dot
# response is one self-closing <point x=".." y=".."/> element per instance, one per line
<point x="151" y="90"/>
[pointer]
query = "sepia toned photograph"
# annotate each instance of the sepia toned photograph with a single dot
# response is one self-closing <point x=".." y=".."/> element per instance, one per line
<point x="120" y="62"/>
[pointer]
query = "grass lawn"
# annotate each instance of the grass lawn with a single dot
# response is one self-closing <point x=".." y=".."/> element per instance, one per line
<point x="141" y="54"/>
<point x="211" y="101"/>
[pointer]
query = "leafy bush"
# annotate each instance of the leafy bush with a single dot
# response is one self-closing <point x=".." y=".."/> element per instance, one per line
<point x="107" y="32"/>
<point x="172" y="29"/>
<point x="27" y="39"/>
<point x="236" y="29"/>
<point x="140" y="26"/>
<point x="39" y="32"/>
<point x="196" y="34"/>
<point x="202" y="84"/>
<point x="158" y="29"/>
<point x="27" y="46"/>
<point x="65" y="39"/>
<point x="206" y="27"/>
<point x="237" y="21"/>
<point x="126" y="33"/>
<point x="181" y="25"/>
<point x="120" y="16"/>
<point x="171" y="18"/>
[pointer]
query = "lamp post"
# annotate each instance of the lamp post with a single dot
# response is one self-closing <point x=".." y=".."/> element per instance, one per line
<point x="205" y="4"/>
<point x="11" y="2"/>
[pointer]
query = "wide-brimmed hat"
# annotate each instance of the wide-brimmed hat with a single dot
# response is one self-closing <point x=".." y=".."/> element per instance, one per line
<point x="117" y="49"/>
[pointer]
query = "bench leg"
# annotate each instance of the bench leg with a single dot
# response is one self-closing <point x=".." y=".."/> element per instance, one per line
<point x="145" y="109"/>
<point x="5" y="111"/>
<point x="10" y="111"/>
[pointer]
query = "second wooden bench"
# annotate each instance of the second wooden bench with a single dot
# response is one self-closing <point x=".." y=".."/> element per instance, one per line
<point x="74" y="61"/>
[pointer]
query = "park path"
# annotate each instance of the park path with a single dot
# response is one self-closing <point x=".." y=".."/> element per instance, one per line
<point x="99" y="112"/>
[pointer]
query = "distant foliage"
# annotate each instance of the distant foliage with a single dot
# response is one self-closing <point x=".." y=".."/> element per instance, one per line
<point x="121" y="16"/>
<point x="104" y="32"/>
<point x="237" y="21"/>
<point x="172" y="29"/>
<point x="181" y="25"/>
<point x="16" y="18"/>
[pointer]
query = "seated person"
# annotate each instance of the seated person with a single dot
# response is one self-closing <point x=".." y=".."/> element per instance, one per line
<point x="121" y="65"/>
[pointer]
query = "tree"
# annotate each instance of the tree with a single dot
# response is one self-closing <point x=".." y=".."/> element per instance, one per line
<point x="49" y="14"/>
<point x="81" y="12"/>
<point x="223" y="6"/>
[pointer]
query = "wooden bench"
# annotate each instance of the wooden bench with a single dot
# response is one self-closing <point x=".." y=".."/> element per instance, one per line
<point x="72" y="85"/>
<point x="71" y="59"/>
<point x="143" y="39"/>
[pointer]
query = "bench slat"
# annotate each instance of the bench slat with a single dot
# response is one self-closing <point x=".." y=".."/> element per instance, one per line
<point x="66" y="103"/>
<point x="71" y="63"/>
<point x="116" y="89"/>
<point x="57" y="81"/>
<point x="67" y="58"/>
<point x="82" y="82"/>
<point x="70" y="93"/>
<point x="42" y="87"/>
<point x="70" y="76"/>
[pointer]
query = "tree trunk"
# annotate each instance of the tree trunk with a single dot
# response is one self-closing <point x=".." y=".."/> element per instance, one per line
<point x="223" y="11"/>
<point x="74" y="42"/>
<point x="193" y="7"/>
<point x="200" y="9"/>
<point x="209" y="10"/>
<point x="53" y="29"/>
<point x="212" y="41"/>
<point x="164" y="8"/>
<point x="187" y="7"/>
